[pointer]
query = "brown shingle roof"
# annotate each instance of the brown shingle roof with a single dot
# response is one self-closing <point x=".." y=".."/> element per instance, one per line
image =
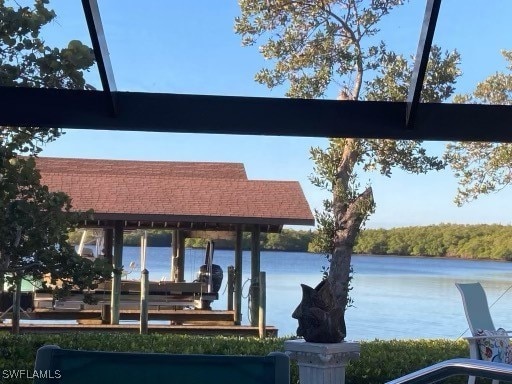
<point x="172" y="191"/>
<point x="177" y="169"/>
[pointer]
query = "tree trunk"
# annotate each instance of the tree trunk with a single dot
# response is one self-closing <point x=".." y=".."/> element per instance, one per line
<point x="348" y="220"/>
<point x="16" y="307"/>
<point x="339" y="274"/>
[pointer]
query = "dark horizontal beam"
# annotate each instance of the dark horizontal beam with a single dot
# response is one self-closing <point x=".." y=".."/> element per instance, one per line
<point x="213" y="231"/>
<point x="195" y="222"/>
<point x="151" y="112"/>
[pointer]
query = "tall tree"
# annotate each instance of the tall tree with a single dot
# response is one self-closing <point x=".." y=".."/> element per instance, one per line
<point x="315" y="47"/>
<point x="481" y="167"/>
<point x="34" y="221"/>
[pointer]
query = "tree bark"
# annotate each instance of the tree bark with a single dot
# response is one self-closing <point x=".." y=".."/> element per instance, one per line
<point x="348" y="220"/>
<point x="346" y="166"/>
<point x="16" y="307"/>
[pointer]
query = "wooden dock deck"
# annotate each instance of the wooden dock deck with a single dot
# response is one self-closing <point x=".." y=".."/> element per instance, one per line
<point x="180" y="321"/>
<point x="175" y="315"/>
<point x="205" y="330"/>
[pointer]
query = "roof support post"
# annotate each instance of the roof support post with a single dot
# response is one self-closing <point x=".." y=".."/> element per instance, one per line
<point x="174" y="255"/>
<point x="421" y="61"/>
<point x="108" y="243"/>
<point x="255" y="275"/>
<point x="117" y="264"/>
<point x="180" y="262"/>
<point x="238" y="276"/>
<point x="99" y="43"/>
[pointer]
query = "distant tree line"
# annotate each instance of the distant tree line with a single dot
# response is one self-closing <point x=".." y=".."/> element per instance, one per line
<point x="287" y="240"/>
<point x="444" y="240"/>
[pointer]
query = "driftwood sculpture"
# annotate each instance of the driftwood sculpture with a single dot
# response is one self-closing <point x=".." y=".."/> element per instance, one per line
<point x="320" y="321"/>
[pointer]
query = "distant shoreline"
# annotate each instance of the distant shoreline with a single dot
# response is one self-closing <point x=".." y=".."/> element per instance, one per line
<point x="354" y="254"/>
<point x="436" y="257"/>
<point x="451" y="241"/>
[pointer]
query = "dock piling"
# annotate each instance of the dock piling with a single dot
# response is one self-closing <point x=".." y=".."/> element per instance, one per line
<point x="117" y="264"/>
<point x="231" y="286"/>
<point x="262" y="306"/>
<point x="238" y="276"/>
<point x="144" y="293"/>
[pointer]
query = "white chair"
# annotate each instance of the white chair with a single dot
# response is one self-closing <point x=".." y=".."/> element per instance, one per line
<point x="478" y="317"/>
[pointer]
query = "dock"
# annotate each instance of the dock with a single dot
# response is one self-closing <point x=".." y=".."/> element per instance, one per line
<point x="172" y="315"/>
<point x="176" y="321"/>
<point x="171" y="308"/>
<point x="203" y="330"/>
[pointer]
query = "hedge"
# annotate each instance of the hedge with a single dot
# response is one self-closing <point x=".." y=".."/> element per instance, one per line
<point x="380" y="360"/>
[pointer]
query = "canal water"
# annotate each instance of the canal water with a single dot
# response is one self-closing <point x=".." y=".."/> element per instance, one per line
<point x="394" y="297"/>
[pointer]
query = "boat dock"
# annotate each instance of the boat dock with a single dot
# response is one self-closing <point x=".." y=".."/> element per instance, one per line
<point x="176" y="316"/>
<point x="185" y="329"/>
<point x="177" y="321"/>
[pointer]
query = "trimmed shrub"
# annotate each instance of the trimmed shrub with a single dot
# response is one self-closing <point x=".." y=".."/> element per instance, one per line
<point x="380" y="360"/>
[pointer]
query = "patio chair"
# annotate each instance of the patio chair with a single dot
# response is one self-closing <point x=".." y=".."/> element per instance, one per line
<point x="69" y="366"/>
<point x="486" y="342"/>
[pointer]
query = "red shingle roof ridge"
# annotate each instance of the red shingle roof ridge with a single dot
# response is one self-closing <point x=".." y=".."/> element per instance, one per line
<point x="134" y="161"/>
<point x="172" y="178"/>
<point x="278" y="181"/>
<point x="177" y="169"/>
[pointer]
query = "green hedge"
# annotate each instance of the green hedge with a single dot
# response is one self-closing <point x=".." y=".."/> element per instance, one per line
<point x="380" y="361"/>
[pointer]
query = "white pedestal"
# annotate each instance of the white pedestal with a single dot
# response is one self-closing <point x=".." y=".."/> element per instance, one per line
<point x="321" y="363"/>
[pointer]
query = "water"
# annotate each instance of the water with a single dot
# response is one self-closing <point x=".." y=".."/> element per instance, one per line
<point x="394" y="297"/>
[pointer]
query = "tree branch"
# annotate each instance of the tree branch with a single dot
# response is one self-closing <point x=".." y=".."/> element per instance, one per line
<point x="349" y="220"/>
<point x="20" y="268"/>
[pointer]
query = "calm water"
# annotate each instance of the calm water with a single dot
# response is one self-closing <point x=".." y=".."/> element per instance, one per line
<point x="394" y="297"/>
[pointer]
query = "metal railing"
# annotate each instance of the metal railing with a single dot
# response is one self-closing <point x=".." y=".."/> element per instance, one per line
<point x="454" y="367"/>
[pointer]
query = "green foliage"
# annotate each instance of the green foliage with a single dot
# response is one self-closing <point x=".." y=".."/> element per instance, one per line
<point x="199" y="243"/>
<point x="34" y="222"/>
<point x="156" y="238"/>
<point x="483" y="168"/>
<point x="287" y="240"/>
<point x="395" y="71"/>
<point x="380" y="361"/>
<point x="445" y="240"/>
<point x="33" y="227"/>
<point x="25" y="59"/>
<point x="313" y="44"/>
<point x="323" y="238"/>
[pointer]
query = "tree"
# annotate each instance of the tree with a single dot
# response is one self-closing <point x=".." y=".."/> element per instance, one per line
<point x="34" y="221"/>
<point x="481" y="167"/>
<point x="315" y="47"/>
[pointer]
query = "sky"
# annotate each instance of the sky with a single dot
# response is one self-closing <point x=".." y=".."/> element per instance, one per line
<point x="190" y="47"/>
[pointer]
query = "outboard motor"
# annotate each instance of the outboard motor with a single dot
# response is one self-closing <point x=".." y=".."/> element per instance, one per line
<point x="217" y="276"/>
<point x="210" y="273"/>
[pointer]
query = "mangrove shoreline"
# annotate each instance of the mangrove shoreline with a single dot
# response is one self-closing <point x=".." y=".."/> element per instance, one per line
<point x="477" y="241"/>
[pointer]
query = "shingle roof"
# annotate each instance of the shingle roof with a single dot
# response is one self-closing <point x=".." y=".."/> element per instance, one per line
<point x="208" y="194"/>
<point x="175" y="169"/>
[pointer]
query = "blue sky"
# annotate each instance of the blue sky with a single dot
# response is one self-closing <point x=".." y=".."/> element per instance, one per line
<point x="190" y="47"/>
